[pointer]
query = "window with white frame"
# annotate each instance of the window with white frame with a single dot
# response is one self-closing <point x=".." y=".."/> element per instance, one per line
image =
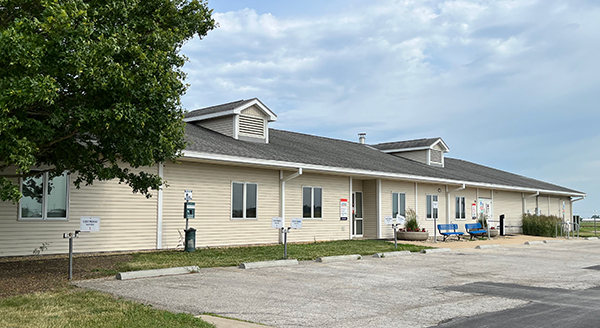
<point x="244" y="200"/>
<point x="44" y="198"/>
<point x="312" y="202"/>
<point x="398" y="204"/>
<point x="432" y="206"/>
<point x="460" y="212"/>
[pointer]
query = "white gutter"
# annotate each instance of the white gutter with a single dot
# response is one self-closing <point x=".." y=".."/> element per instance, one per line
<point x="159" y="210"/>
<point x="358" y="172"/>
<point x="282" y="186"/>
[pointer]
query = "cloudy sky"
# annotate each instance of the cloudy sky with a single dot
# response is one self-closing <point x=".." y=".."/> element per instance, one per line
<point x="513" y="85"/>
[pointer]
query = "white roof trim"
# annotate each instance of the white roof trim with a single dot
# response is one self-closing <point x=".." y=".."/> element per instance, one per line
<point x="237" y="110"/>
<point x="374" y="174"/>
<point x="400" y="150"/>
<point x="446" y="148"/>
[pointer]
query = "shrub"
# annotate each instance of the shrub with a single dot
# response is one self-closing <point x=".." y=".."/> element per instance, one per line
<point x="411" y="224"/>
<point x="540" y="225"/>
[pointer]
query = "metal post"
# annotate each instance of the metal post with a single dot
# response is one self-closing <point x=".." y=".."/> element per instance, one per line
<point x="395" y="236"/>
<point x="285" y="231"/>
<point x="435" y="230"/>
<point x="70" y="257"/>
<point x="595" y="233"/>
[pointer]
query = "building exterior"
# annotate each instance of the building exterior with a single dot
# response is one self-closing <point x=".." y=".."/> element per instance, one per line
<point x="243" y="173"/>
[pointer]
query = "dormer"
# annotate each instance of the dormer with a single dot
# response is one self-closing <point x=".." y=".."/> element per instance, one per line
<point x="429" y="151"/>
<point x="246" y="120"/>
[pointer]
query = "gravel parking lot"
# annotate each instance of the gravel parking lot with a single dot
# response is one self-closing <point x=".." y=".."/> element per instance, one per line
<point x="460" y="288"/>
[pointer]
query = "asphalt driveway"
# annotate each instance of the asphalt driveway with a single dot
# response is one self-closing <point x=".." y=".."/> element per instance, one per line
<point x="466" y="288"/>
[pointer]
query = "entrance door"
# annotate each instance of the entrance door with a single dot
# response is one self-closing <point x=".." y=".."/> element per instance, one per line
<point x="357" y="214"/>
<point x="485" y="208"/>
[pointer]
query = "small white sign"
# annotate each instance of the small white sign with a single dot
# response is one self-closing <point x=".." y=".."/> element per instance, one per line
<point x="187" y="195"/>
<point x="89" y="224"/>
<point x="344" y="209"/>
<point x="389" y="220"/>
<point x="435" y="204"/>
<point x="296" y="223"/>
<point x="400" y="219"/>
<point x="276" y="223"/>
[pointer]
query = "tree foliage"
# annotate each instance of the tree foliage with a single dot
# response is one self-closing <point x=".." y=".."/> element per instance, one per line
<point x="87" y="85"/>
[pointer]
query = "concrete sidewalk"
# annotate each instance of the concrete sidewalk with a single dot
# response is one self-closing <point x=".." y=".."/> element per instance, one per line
<point x="465" y="243"/>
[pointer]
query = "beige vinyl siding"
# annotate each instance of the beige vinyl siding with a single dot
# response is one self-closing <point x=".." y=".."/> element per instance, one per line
<point x="529" y="203"/>
<point x="387" y="188"/>
<point x="439" y="147"/>
<point x="470" y="195"/>
<point x="330" y="227"/>
<point x="370" y="208"/>
<point x="418" y="155"/>
<point x="357" y="185"/>
<point x="509" y="203"/>
<point x="431" y="189"/>
<point x="127" y="222"/>
<point x="543" y="204"/>
<point x="251" y="126"/>
<point x="556" y="207"/>
<point x="211" y="185"/>
<point x="223" y="125"/>
<point x="254" y="111"/>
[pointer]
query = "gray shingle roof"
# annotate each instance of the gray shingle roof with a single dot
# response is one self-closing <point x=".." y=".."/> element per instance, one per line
<point x="218" y="108"/>
<point x="417" y="143"/>
<point x="307" y="149"/>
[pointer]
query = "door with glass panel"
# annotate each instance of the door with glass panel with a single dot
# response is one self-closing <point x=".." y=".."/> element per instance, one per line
<point x="357" y="214"/>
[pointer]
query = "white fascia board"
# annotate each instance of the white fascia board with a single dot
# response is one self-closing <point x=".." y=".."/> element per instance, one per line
<point x="209" y="116"/>
<point x="261" y="106"/>
<point x="400" y="150"/>
<point x="446" y="148"/>
<point x="358" y="172"/>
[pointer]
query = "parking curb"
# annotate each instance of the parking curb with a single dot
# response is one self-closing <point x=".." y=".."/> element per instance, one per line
<point x="553" y="241"/>
<point x="487" y="246"/>
<point x="156" y="272"/>
<point x="534" y="242"/>
<point x="391" y="254"/>
<point x="339" y="258"/>
<point x="436" y="250"/>
<point x="267" y="264"/>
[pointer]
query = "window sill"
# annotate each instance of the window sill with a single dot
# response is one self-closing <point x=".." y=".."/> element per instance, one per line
<point x="313" y="219"/>
<point x="243" y="219"/>
<point x="42" y="219"/>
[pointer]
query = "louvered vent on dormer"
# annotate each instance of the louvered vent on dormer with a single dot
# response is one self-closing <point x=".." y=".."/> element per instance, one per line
<point x="251" y="126"/>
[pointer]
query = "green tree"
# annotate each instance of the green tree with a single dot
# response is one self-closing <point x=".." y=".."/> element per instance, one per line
<point x="88" y="84"/>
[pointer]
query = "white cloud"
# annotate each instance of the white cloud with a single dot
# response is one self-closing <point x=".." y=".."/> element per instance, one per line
<point x="500" y="81"/>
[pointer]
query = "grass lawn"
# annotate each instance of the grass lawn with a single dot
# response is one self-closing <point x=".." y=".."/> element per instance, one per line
<point x="34" y="291"/>
<point x="217" y="257"/>
<point x="72" y="307"/>
<point x="587" y="229"/>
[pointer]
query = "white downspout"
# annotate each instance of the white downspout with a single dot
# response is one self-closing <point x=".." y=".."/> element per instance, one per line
<point x="350" y="211"/>
<point x="159" y="209"/>
<point x="378" y="208"/>
<point x="448" y="192"/>
<point x="536" y="203"/>
<point x="282" y="201"/>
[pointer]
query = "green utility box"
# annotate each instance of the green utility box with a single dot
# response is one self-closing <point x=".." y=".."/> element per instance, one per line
<point x="190" y="240"/>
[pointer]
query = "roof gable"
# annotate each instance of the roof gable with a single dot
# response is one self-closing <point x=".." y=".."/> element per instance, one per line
<point x="412" y="145"/>
<point x="232" y="108"/>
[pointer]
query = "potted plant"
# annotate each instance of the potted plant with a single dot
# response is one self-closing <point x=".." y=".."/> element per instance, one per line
<point x="483" y="221"/>
<point x="411" y="230"/>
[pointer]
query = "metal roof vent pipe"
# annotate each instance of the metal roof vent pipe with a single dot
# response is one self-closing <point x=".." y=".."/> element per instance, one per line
<point x="361" y="138"/>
